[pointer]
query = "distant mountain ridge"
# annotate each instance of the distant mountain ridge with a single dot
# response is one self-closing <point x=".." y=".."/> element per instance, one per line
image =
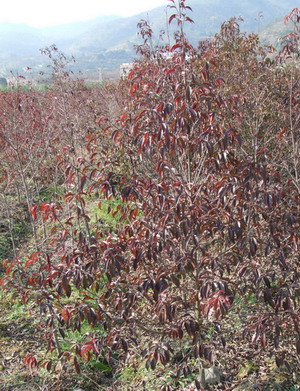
<point x="107" y="41"/>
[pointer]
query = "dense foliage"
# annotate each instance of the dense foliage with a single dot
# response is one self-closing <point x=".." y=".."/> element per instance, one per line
<point x="195" y="158"/>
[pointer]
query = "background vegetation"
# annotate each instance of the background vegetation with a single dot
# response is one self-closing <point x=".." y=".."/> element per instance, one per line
<point x="151" y="227"/>
<point x="108" y="41"/>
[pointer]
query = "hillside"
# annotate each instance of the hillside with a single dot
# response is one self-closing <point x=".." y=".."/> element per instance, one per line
<point x="107" y="41"/>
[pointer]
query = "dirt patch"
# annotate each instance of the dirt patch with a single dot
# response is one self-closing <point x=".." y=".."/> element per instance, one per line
<point x="17" y="339"/>
<point x="22" y="335"/>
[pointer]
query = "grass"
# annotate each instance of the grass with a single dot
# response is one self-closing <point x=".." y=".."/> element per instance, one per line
<point x="100" y="213"/>
<point x="20" y="334"/>
<point x="12" y="309"/>
<point x="51" y="193"/>
<point x="20" y="230"/>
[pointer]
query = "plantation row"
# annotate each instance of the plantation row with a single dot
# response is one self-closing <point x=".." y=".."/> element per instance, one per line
<point x="161" y="214"/>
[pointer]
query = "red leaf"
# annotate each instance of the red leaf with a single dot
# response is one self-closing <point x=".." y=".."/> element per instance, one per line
<point x="123" y="118"/>
<point x="176" y="46"/>
<point x="263" y="340"/>
<point x="32" y="259"/>
<point x="66" y="286"/>
<point x="82" y="183"/>
<point x="76" y="365"/>
<point x="153" y="363"/>
<point x="171" y="18"/>
<point x="124" y="344"/>
<point x="281" y="133"/>
<point x="133" y="88"/>
<point x="32" y="210"/>
<point x="189" y="19"/>
<point x="66" y="314"/>
<point x="115" y="135"/>
<point x="100" y="120"/>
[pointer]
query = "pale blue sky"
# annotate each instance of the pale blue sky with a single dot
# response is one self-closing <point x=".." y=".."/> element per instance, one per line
<point x="41" y="13"/>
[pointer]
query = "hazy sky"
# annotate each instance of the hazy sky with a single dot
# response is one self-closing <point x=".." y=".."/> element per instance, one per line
<point x="41" y="13"/>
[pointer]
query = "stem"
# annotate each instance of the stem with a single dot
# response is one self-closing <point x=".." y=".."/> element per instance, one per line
<point x="10" y="224"/>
